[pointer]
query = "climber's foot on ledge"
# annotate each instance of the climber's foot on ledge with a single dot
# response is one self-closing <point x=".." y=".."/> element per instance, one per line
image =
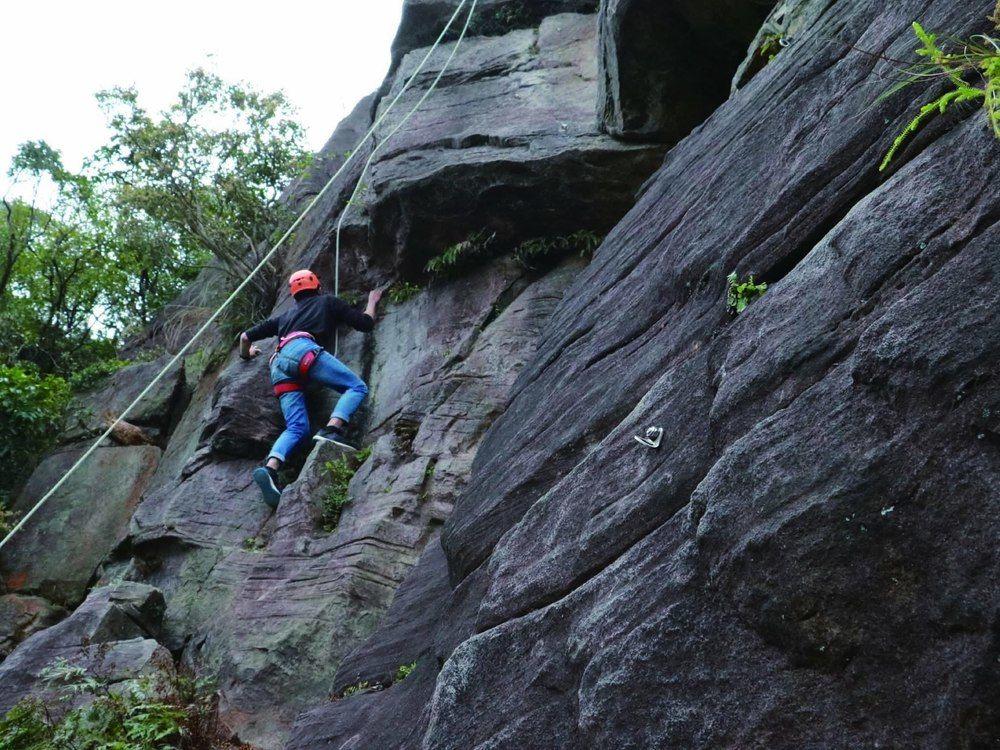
<point x="334" y="435"/>
<point x="267" y="479"/>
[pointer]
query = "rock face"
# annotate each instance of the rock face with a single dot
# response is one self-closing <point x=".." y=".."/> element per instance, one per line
<point x="524" y="159"/>
<point x="807" y="560"/>
<point x="666" y="64"/>
<point x="808" y="554"/>
<point x="112" y="634"/>
<point x="21" y="616"/>
<point x="58" y="553"/>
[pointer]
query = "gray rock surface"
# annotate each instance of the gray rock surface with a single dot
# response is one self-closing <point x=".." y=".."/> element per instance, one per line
<point x="89" y="412"/>
<point x="666" y="64"/>
<point x="22" y="616"/>
<point x="58" y="553"/>
<point x="276" y="620"/>
<point x="423" y="20"/>
<point x="112" y="635"/>
<point x="806" y="561"/>
<point x="508" y="143"/>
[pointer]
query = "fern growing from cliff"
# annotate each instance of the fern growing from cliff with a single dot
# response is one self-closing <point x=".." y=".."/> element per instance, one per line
<point x="972" y="69"/>
<point x="339" y="473"/>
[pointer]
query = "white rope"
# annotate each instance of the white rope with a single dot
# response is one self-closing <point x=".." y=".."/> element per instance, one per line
<point x="378" y="146"/>
<point x="208" y="323"/>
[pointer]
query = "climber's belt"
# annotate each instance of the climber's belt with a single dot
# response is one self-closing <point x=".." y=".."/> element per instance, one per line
<point x="305" y="364"/>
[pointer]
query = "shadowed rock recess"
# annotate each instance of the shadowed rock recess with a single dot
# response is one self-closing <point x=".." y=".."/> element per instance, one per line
<point x="807" y="560"/>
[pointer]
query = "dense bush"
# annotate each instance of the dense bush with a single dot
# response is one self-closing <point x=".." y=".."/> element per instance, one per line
<point x="31" y="412"/>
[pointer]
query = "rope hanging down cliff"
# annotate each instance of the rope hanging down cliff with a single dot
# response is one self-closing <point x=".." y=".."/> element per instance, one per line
<point x="281" y="241"/>
<point x="378" y="146"/>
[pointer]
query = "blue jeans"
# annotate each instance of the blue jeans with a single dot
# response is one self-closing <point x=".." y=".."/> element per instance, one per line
<point x="328" y="371"/>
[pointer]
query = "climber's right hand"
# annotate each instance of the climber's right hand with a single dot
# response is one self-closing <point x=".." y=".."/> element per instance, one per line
<point x="248" y="350"/>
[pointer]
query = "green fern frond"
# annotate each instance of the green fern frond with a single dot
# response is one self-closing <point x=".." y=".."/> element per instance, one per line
<point x="937" y="107"/>
<point x="980" y="55"/>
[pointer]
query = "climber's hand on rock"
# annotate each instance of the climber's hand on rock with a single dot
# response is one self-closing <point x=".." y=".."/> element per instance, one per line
<point x="375" y="296"/>
<point x="248" y="350"/>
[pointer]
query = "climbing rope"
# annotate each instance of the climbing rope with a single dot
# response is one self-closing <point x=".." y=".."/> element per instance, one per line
<point x="378" y="147"/>
<point x="270" y="254"/>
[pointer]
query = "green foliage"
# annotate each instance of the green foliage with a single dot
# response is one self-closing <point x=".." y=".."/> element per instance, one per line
<point x="26" y="727"/>
<point x="99" y="254"/>
<point x="175" y="713"/>
<point x="352" y="298"/>
<point x="978" y="59"/>
<point x="461" y="256"/>
<point x="215" y="189"/>
<point x="359" y="687"/>
<point x="254" y="544"/>
<point x="742" y="293"/>
<point x="8" y="518"/>
<point x="533" y="254"/>
<point x="339" y="472"/>
<point x="93" y="374"/>
<point x="402" y="292"/>
<point x="32" y="406"/>
<point x="404" y="671"/>
<point x="770" y="46"/>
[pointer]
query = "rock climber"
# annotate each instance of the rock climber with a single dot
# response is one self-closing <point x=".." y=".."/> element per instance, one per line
<point x="303" y="331"/>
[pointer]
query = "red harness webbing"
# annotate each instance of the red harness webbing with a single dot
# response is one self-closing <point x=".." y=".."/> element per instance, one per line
<point x="305" y="364"/>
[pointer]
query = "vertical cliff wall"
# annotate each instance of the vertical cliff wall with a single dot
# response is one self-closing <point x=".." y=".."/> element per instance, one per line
<point x="805" y="561"/>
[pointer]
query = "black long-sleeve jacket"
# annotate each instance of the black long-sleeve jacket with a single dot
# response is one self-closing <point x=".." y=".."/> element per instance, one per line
<point x="319" y="315"/>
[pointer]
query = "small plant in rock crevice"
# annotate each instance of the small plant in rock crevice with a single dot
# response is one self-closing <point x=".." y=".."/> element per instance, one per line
<point x="770" y="47"/>
<point x="339" y="472"/>
<point x="972" y="68"/>
<point x="352" y="298"/>
<point x="404" y="671"/>
<point x="254" y="544"/>
<point x="534" y="254"/>
<point x="740" y="294"/>
<point x="402" y="292"/>
<point x="463" y="255"/>
<point x="358" y="687"/>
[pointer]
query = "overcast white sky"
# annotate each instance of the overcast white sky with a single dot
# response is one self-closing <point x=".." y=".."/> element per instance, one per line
<point x="56" y="54"/>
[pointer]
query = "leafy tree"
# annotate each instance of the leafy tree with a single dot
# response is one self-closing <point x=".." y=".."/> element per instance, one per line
<point x="209" y="171"/>
<point x="31" y="409"/>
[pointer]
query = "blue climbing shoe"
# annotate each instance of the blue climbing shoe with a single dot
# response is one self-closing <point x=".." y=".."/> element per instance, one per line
<point x="267" y="479"/>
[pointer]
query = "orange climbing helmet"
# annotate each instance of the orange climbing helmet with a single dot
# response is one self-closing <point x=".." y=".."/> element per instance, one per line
<point x="302" y="281"/>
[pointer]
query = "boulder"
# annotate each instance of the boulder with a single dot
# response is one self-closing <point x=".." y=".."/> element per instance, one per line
<point x="22" y="616"/>
<point x="58" y="553"/>
<point x="667" y="64"/>
<point x="90" y="411"/>
<point x="112" y="635"/>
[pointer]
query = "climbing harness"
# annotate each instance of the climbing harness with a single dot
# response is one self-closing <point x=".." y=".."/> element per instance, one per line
<point x="270" y="254"/>
<point x="305" y="364"/>
<point x="654" y="436"/>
